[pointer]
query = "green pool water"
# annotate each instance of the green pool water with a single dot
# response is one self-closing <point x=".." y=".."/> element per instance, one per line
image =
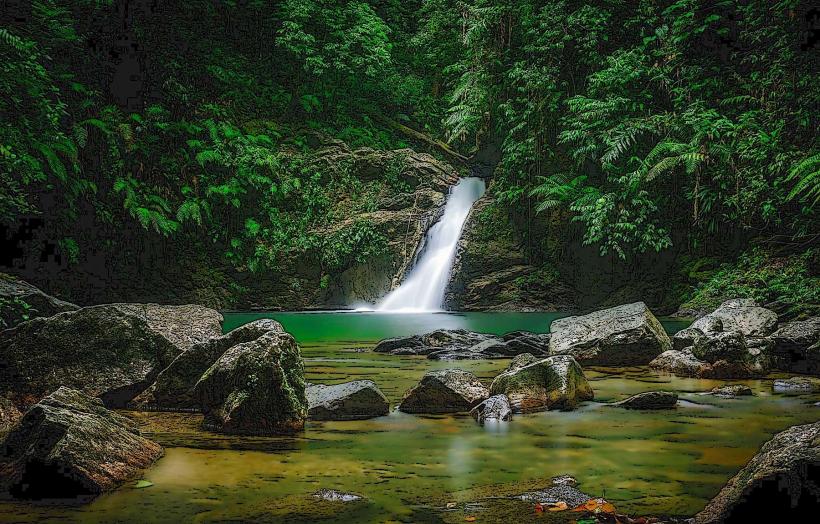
<point x="410" y="467"/>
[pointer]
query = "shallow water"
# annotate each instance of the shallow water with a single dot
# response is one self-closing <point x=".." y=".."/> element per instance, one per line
<point x="409" y="467"/>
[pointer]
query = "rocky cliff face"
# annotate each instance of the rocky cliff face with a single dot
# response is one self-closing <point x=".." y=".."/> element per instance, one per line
<point x="492" y="273"/>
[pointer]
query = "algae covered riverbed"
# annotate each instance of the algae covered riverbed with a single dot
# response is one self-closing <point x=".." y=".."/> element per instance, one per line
<point x="410" y="467"/>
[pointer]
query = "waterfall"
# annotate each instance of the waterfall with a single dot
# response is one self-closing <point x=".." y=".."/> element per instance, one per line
<point x="424" y="286"/>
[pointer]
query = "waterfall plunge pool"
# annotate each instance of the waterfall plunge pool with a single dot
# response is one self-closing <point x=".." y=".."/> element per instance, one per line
<point x="410" y="467"/>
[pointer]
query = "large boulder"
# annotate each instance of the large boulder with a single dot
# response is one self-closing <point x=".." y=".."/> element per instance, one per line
<point x="495" y="408"/>
<point x="68" y="446"/>
<point x="649" y="400"/>
<point x="682" y="363"/>
<point x="727" y="345"/>
<point x="444" y="391"/>
<point x="732" y="390"/>
<point x="360" y="399"/>
<point x="782" y="480"/>
<point x="745" y="316"/>
<point x="20" y="301"/>
<point x="103" y="351"/>
<point x="255" y="388"/>
<point x="625" y="335"/>
<point x="796" y="346"/>
<point x="556" y="382"/>
<point x="184" y="325"/>
<point x="173" y="387"/>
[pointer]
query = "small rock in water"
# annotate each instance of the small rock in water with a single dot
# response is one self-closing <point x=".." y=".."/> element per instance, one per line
<point x="796" y="385"/>
<point x="562" y="493"/>
<point x="332" y="495"/>
<point x="564" y="480"/>
<point x="496" y="408"/>
<point x="732" y="390"/>
<point x="649" y="400"/>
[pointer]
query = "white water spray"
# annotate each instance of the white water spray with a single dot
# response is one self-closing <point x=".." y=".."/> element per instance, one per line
<point x="423" y="288"/>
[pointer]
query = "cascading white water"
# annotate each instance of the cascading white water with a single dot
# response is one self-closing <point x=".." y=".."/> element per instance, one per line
<point x="423" y="288"/>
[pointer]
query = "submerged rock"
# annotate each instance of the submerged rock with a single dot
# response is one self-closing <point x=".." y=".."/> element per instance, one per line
<point x="184" y="325"/>
<point x="556" y="382"/>
<point x="496" y="407"/>
<point x="102" y="351"/>
<point x="780" y="479"/>
<point x="625" y="335"/>
<point x="649" y="400"/>
<point x="732" y="390"/>
<point x="444" y="391"/>
<point x="796" y="385"/>
<point x="360" y="399"/>
<point x="20" y="301"/>
<point x="173" y="387"/>
<point x="255" y="388"/>
<point x="332" y="495"/>
<point x="68" y="445"/>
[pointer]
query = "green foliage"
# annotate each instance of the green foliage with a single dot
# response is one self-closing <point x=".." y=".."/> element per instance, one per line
<point x="358" y="242"/>
<point x="788" y="280"/>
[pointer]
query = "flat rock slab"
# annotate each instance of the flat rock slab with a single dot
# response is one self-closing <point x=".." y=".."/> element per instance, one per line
<point x="460" y="344"/>
<point x="779" y="480"/>
<point x="183" y="325"/>
<point x="627" y="335"/>
<point x="360" y="399"/>
<point x="649" y="400"/>
<point x="68" y="446"/>
<point x="444" y="391"/>
<point x="532" y="384"/>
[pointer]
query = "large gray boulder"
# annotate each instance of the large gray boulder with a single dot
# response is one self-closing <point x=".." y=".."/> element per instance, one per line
<point x="779" y="482"/>
<point x="20" y="301"/>
<point x="682" y="363"/>
<point x="444" y="391"/>
<point x="183" y="325"/>
<point x="796" y="346"/>
<point x="68" y="445"/>
<point x="360" y="399"/>
<point x="255" y="388"/>
<point x="727" y="345"/>
<point x="173" y="388"/>
<point x="103" y="351"/>
<point x="746" y="317"/>
<point x="556" y="382"/>
<point x="625" y="335"/>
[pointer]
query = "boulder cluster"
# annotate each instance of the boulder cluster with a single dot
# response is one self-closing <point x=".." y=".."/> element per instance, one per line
<point x="741" y="339"/>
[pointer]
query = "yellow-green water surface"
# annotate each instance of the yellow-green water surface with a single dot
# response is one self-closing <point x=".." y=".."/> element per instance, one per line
<point x="410" y="467"/>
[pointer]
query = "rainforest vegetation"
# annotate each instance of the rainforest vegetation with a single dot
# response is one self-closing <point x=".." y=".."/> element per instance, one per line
<point x="649" y="127"/>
